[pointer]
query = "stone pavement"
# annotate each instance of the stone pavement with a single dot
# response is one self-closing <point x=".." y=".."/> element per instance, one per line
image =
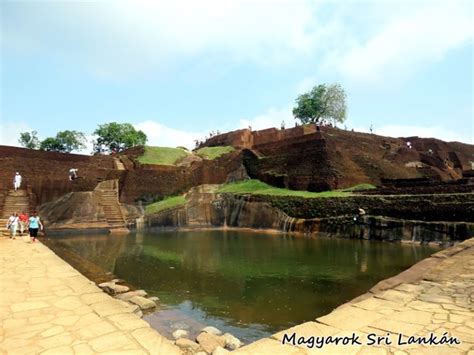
<point x="47" y="307"/>
<point x="436" y="297"/>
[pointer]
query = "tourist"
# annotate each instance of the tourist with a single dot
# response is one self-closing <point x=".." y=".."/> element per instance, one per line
<point x="23" y="219"/>
<point x="17" y="181"/>
<point x="282" y="125"/>
<point x="409" y="145"/>
<point x="34" y="224"/>
<point x="73" y="174"/>
<point x="12" y="225"/>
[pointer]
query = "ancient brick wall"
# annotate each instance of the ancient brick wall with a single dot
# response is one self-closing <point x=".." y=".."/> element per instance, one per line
<point x="150" y="182"/>
<point x="241" y="138"/>
<point x="46" y="173"/>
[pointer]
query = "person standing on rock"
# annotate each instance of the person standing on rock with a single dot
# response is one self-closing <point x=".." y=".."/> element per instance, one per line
<point x="12" y="224"/>
<point x="34" y="224"/>
<point x="17" y="181"/>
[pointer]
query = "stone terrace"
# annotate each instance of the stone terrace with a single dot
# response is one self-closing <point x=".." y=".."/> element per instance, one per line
<point x="47" y="307"/>
<point x="435" y="295"/>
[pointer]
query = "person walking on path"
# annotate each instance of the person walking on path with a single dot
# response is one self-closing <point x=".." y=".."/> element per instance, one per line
<point x="12" y="224"/>
<point x="34" y="224"/>
<point x="23" y="219"/>
<point x="17" y="181"/>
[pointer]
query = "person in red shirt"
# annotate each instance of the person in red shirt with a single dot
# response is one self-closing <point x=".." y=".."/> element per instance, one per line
<point x="23" y="219"/>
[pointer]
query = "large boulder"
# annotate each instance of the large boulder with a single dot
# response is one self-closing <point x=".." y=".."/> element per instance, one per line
<point x="210" y="342"/>
<point x="180" y="333"/>
<point x="211" y="330"/>
<point x="112" y="288"/>
<point x="186" y="344"/>
<point x="142" y="302"/>
<point x="220" y="351"/>
<point x="127" y="295"/>
<point x="231" y="342"/>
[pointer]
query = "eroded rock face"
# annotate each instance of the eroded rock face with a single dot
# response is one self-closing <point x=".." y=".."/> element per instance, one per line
<point x="81" y="210"/>
<point x="328" y="216"/>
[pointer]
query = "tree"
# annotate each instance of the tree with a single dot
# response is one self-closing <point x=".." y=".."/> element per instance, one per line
<point x="322" y="103"/>
<point x="64" y="142"/>
<point x="51" y="144"/>
<point x="29" y="140"/>
<point x="71" y="140"/>
<point x="118" y="136"/>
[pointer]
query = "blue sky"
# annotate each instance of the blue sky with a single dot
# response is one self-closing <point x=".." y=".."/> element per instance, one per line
<point x="180" y="69"/>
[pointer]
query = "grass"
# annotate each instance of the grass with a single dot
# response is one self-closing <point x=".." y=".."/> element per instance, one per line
<point x="360" y="187"/>
<point x="162" y="155"/>
<point x="165" y="204"/>
<point x="258" y="187"/>
<point x="213" y="152"/>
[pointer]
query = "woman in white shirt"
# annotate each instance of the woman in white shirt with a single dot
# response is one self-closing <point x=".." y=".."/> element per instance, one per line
<point x="12" y="224"/>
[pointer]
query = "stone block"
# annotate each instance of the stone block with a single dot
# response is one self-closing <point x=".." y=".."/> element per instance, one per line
<point x="142" y="302"/>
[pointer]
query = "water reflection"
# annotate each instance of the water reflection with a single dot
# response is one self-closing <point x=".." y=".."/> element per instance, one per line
<point x="251" y="284"/>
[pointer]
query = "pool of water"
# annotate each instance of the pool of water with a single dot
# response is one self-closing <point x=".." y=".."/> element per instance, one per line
<point x="247" y="283"/>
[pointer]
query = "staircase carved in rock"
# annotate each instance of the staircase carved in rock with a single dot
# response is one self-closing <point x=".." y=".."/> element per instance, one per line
<point x="108" y="194"/>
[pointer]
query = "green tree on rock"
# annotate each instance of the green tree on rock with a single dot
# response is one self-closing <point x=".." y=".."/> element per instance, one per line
<point x="118" y="136"/>
<point x="322" y="103"/>
<point x="64" y="142"/>
<point x="29" y="140"/>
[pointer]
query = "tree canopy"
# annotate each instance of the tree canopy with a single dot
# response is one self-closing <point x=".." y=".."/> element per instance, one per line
<point x="65" y="142"/>
<point x="29" y="140"/>
<point x="323" y="103"/>
<point x="118" y="136"/>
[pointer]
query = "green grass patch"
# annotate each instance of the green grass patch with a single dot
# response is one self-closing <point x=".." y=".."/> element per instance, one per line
<point x="213" y="152"/>
<point x="360" y="187"/>
<point x="165" y="204"/>
<point x="162" y="155"/>
<point x="258" y="187"/>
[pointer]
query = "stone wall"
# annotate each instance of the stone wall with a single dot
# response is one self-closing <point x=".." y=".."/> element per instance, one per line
<point x="455" y="207"/>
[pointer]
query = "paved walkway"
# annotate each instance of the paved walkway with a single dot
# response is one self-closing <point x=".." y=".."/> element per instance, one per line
<point x="436" y="297"/>
<point x="48" y="307"/>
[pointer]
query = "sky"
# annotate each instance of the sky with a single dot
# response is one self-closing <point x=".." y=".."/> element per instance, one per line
<point x="180" y="69"/>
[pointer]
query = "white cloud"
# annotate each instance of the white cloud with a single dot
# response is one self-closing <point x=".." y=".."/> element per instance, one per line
<point x="164" y="136"/>
<point x="10" y="132"/>
<point x="270" y="118"/>
<point x="120" y="37"/>
<point x="408" y="41"/>
<point x="362" y="41"/>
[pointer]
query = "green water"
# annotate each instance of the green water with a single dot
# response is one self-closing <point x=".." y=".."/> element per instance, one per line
<point x="251" y="284"/>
